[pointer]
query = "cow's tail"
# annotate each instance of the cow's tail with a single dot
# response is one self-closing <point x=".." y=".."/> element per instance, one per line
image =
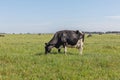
<point x="83" y="38"/>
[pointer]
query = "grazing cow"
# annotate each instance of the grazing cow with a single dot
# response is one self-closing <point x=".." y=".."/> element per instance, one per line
<point x="89" y="35"/>
<point x="65" y="38"/>
<point x="1" y="35"/>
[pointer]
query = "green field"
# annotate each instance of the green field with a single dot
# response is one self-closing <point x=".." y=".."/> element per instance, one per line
<point x="22" y="58"/>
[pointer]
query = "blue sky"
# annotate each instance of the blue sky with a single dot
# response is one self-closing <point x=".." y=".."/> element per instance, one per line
<point x="45" y="16"/>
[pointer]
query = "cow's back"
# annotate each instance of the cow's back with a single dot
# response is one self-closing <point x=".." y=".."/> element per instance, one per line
<point x="68" y="36"/>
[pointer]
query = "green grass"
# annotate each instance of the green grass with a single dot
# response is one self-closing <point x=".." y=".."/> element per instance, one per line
<point x="22" y="58"/>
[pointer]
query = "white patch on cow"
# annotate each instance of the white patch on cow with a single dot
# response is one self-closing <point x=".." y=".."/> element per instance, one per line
<point x="79" y="46"/>
<point x="65" y="50"/>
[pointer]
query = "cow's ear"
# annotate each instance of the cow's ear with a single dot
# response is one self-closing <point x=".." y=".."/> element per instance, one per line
<point x="77" y="31"/>
<point x="46" y="43"/>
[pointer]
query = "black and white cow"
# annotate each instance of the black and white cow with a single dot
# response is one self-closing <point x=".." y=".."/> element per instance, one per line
<point x="66" y="38"/>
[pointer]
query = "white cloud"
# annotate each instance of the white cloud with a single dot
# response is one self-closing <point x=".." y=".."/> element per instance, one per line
<point x="113" y="17"/>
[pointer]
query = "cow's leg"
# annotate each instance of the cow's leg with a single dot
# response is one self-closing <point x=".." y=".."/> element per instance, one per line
<point x="81" y="48"/>
<point x="65" y="51"/>
<point x="59" y="50"/>
<point x="65" y="48"/>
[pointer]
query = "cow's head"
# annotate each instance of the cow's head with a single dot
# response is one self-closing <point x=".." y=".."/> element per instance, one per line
<point x="48" y="48"/>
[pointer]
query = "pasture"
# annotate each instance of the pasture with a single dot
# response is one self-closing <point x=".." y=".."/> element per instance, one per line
<point x="22" y="58"/>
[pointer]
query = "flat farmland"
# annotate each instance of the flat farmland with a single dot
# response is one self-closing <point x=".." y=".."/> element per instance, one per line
<point x="22" y="58"/>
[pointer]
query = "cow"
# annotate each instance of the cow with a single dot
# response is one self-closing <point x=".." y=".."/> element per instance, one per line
<point x="1" y="35"/>
<point x="89" y="35"/>
<point x="66" y="38"/>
